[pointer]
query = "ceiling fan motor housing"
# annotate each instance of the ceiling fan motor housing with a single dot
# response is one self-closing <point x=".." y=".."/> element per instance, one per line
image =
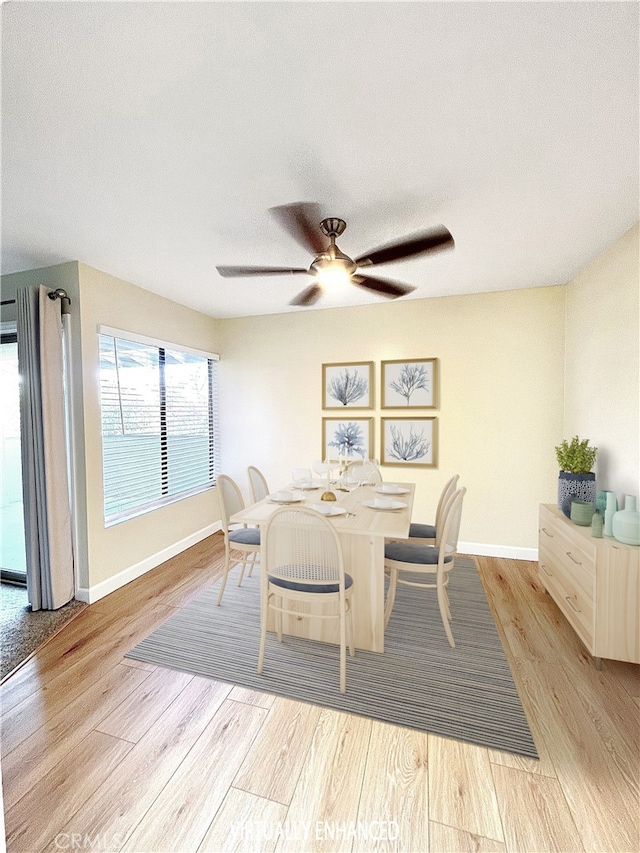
<point x="333" y="259"/>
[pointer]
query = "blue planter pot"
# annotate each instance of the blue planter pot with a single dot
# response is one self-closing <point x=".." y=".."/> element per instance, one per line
<point x="575" y="486"/>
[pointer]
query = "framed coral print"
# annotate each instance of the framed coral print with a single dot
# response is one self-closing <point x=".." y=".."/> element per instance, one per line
<point x="411" y="442"/>
<point x="348" y="385"/>
<point x="347" y="437"/>
<point x="409" y="383"/>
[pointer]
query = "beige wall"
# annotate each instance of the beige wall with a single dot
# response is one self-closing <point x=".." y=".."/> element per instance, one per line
<point x="602" y="367"/>
<point x="500" y="415"/>
<point x="509" y="392"/>
<point x="105" y="300"/>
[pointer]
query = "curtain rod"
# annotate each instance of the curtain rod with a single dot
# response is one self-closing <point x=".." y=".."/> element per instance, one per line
<point x="58" y="293"/>
<point x="65" y="301"/>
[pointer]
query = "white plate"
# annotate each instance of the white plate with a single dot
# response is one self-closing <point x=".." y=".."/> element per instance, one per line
<point x="394" y="505"/>
<point x="397" y="490"/>
<point x="294" y="500"/>
<point x="328" y="508"/>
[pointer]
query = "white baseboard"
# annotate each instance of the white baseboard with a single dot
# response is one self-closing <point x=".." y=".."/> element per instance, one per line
<point x="103" y="588"/>
<point x="508" y="551"/>
<point x="98" y="591"/>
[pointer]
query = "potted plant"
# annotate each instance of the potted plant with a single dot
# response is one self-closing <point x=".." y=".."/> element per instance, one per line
<point x="576" y="479"/>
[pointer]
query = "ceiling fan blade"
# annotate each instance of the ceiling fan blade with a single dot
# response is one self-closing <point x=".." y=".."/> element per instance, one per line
<point x="428" y="241"/>
<point x="309" y="296"/>
<point x="235" y="272"/>
<point x="302" y="221"/>
<point x="390" y="289"/>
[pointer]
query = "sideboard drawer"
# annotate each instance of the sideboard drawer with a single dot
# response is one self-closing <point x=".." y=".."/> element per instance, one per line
<point x="572" y="558"/>
<point x="568" y="588"/>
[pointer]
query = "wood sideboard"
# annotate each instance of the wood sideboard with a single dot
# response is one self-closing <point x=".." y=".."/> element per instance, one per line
<point x="594" y="582"/>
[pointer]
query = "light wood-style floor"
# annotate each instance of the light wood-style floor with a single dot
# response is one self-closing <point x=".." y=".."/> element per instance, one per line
<point x="104" y="753"/>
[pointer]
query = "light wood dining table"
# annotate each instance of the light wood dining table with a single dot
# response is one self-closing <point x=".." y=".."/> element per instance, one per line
<point x="362" y="535"/>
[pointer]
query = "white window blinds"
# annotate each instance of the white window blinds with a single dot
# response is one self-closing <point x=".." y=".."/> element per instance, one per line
<point x="159" y="424"/>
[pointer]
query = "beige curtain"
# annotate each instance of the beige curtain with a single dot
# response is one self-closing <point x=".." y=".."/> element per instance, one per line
<point x="47" y="515"/>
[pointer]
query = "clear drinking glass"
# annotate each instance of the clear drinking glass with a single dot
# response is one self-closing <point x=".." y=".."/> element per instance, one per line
<point x="302" y="478"/>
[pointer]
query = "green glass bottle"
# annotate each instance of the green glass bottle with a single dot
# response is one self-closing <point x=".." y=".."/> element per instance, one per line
<point x="596" y="525"/>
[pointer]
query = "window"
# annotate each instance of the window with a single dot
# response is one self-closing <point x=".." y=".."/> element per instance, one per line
<point x="159" y="423"/>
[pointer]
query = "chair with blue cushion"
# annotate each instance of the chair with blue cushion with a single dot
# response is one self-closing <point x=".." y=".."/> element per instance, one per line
<point x="239" y="538"/>
<point x="427" y="566"/>
<point x="426" y="533"/>
<point x="302" y="562"/>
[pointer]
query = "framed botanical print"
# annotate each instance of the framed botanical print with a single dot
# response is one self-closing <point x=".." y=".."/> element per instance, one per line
<point x="409" y="442"/>
<point x="348" y="385"/>
<point x="351" y="438"/>
<point x="409" y="383"/>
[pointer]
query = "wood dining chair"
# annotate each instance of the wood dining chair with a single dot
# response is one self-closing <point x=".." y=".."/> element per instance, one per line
<point x="303" y="562"/>
<point x="425" y="534"/>
<point x="427" y="566"/>
<point x="239" y="538"/>
<point x="257" y="484"/>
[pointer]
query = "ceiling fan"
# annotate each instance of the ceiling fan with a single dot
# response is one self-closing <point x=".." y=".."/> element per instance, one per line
<point x="302" y="221"/>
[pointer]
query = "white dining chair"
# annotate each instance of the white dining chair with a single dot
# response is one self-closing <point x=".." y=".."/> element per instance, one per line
<point x="302" y="561"/>
<point x="239" y="538"/>
<point x="426" y="533"/>
<point x="257" y="484"/>
<point x="427" y="566"/>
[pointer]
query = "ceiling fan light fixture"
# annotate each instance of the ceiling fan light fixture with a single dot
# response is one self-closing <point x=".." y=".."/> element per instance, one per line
<point x="333" y="276"/>
<point x="332" y="269"/>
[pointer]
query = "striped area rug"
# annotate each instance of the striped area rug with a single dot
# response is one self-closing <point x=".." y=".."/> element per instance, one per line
<point x="466" y="693"/>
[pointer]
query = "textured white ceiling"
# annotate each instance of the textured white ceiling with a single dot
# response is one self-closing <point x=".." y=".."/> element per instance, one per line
<point x="149" y="139"/>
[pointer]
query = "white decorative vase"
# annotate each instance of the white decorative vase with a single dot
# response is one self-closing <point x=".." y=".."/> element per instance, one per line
<point x="610" y="511"/>
<point x="626" y="522"/>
